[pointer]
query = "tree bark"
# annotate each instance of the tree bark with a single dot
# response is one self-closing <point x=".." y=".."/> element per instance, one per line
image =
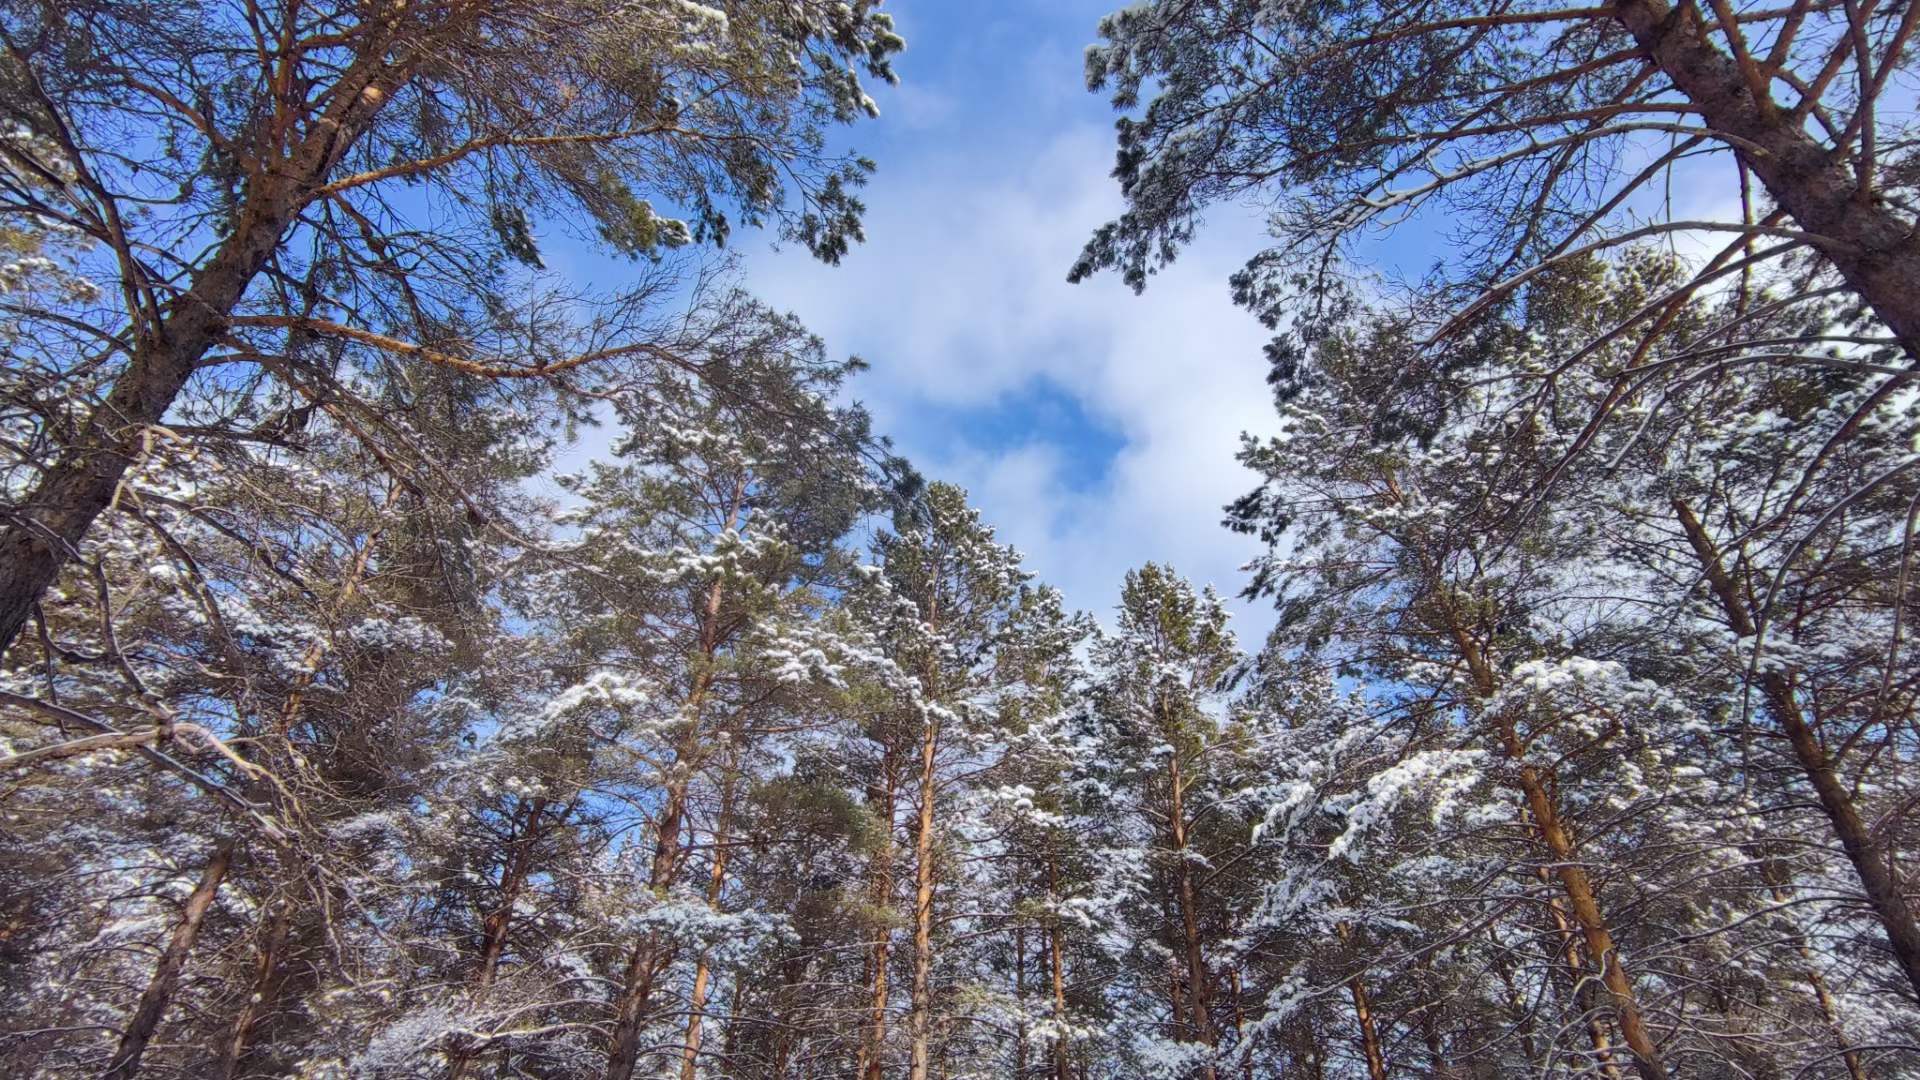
<point x="1884" y="890"/>
<point x="1517" y="1002"/>
<point x="1189" y="913"/>
<point x="1873" y="249"/>
<point x="1056" y="969"/>
<point x="653" y="954"/>
<point x="873" y="1044"/>
<point x="702" y="973"/>
<point x="83" y="481"/>
<point x="1573" y="876"/>
<point x="266" y="966"/>
<point x="1816" y="982"/>
<point x="1021" y="1050"/>
<point x="496" y="925"/>
<point x="1363" y="1015"/>
<point x="1597" y="1033"/>
<point x="920" y="1020"/>
<point x="1240" y="1024"/>
<point x="125" y="1062"/>
<point x="1593" y="926"/>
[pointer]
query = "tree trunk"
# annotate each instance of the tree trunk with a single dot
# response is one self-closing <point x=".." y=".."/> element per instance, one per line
<point x="1189" y="914"/>
<point x="279" y="750"/>
<point x="1573" y="876"/>
<point x="1775" y="875"/>
<point x="83" y="481"/>
<point x="920" y="1021"/>
<point x="166" y="974"/>
<point x="1855" y="1070"/>
<point x="1363" y="1014"/>
<point x="266" y="966"/>
<point x="1883" y="888"/>
<point x="1056" y="969"/>
<point x="1576" y="965"/>
<point x="652" y="954"/>
<point x="1240" y="1024"/>
<point x="1020" y="1049"/>
<point x="1593" y="927"/>
<point x="1873" y="248"/>
<point x="873" y="1045"/>
<point x="1517" y="1002"/>
<point x="716" y="883"/>
<point x="498" y="922"/>
<point x="495" y="926"/>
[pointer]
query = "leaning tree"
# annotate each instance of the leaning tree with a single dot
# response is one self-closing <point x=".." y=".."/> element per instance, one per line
<point x="296" y="206"/>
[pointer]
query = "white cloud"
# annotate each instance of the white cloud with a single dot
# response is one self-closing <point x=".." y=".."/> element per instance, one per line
<point x="960" y="301"/>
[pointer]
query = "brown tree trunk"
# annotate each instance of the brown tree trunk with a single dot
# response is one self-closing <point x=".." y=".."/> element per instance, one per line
<point x="1020" y="1050"/>
<point x="1189" y="913"/>
<point x="1440" y="1067"/>
<point x="1369" y="1033"/>
<point x="1240" y="1024"/>
<point x="1872" y="247"/>
<point x="266" y="966"/>
<point x="920" y="1020"/>
<point x="1855" y="1070"/>
<point x="1056" y="969"/>
<point x="873" y="1045"/>
<point x="495" y="926"/>
<point x="1883" y="888"/>
<point x="1517" y="1003"/>
<point x="1363" y="1014"/>
<point x="280" y="750"/>
<point x="1593" y="927"/>
<point x="1573" y="876"/>
<point x="498" y="922"/>
<point x="83" y="481"/>
<point x="125" y="1062"/>
<point x="716" y="883"/>
<point x="1597" y="1033"/>
<point x="652" y="955"/>
<point x="1775" y="875"/>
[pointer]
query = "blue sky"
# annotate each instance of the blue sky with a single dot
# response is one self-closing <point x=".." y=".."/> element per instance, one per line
<point x="1095" y="428"/>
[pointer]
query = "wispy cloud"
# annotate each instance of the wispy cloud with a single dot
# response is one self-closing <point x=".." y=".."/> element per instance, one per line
<point x="960" y="301"/>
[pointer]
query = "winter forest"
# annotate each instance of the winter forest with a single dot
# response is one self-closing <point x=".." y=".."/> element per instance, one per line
<point x="356" y="722"/>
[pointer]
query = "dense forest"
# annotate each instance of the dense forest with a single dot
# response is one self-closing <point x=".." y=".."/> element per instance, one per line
<point x="345" y="733"/>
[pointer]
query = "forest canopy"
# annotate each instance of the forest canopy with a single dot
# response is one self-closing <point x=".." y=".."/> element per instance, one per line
<point x="354" y="724"/>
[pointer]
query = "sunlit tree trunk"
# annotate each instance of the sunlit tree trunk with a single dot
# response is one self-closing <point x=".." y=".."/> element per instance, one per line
<point x="1865" y="239"/>
<point x="166" y="972"/>
<point x="168" y="344"/>
<point x="653" y="954"/>
<point x="881" y="799"/>
<point x="1885" y="892"/>
<point x="1363" y="1016"/>
<point x="1571" y="873"/>
<point x="1189" y="911"/>
<point x="267" y="974"/>
<point x="716" y="884"/>
<point x="496" y="925"/>
<point x="1056" y="968"/>
<point x="1020" y="1048"/>
<point x="1775" y="876"/>
<point x="1516" y="1002"/>
<point x="919" y="1028"/>
<point x="1579" y="980"/>
<point x="261" y="990"/>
